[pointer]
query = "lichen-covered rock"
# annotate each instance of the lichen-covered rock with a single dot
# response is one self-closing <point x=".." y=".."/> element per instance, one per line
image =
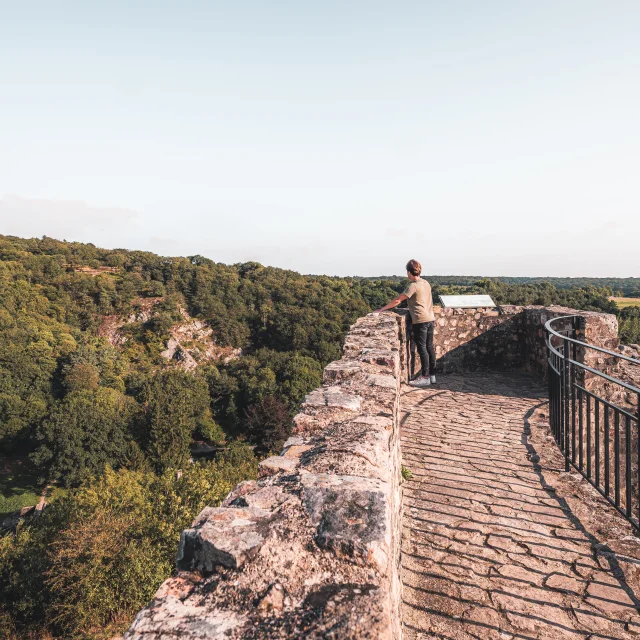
<point x="351" y="516"/>
<point x="339" y="370"/>
<point x="168" y="618"/>
<point x="226" y="536"/>
<point x="277" y="464"/>
<point x="332" y="397"/>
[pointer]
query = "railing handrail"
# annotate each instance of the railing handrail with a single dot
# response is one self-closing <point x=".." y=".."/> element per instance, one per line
<point x="597" y="444"/>
<point x="585" y="344"/>
<point x="566" y="357"/>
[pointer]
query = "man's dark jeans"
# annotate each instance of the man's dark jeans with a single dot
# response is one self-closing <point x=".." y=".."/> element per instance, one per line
<point x="423" y="337"/>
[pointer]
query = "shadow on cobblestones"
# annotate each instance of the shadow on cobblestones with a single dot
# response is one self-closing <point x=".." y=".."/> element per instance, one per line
<point x="498" y="541"/>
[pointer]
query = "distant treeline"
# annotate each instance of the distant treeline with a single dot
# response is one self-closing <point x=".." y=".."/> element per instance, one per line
<point x="619" y="286"/>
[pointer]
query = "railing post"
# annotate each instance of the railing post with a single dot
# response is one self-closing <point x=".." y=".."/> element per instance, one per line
<point x="567" y="400"/>
<point x="549" y="381"/>
<point x="573" y="392"/>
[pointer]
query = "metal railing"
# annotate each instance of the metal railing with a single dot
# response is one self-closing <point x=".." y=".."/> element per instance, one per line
<point x="594" y="416"/>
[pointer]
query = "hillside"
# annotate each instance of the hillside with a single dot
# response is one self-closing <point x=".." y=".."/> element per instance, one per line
<point x="113" y="365"/>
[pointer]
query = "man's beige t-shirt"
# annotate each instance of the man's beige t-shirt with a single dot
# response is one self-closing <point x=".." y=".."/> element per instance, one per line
<point x="420" y="301"/>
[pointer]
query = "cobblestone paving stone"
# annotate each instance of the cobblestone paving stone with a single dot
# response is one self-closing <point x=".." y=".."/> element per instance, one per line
<point x="490" y="550"/>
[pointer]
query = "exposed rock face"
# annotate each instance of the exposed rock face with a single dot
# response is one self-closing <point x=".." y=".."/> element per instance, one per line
<point x="310" y="549"/>
<point x="111" y="325"/>
<point x="190" y="342"/>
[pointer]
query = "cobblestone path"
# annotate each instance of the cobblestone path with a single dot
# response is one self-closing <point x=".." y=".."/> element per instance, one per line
<point x="494" y="542"/>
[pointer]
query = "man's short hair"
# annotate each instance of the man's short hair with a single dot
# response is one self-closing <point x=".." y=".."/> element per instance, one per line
<point x="414" y="267"/>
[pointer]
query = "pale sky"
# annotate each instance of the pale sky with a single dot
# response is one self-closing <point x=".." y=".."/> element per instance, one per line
<point x="486" y="138"/>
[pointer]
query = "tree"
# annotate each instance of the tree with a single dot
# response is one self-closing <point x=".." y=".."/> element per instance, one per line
<point x="83" y="433"/>
<point x="81" y="377"/>
<point x="96" y="556"/>
<point x="176" y="405"/>
<point x="268" y="424"/>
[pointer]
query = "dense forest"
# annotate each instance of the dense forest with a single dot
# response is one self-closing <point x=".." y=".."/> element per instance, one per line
<point x="619" y="286"/>
<point x="106" y="424"/>
<point x="96" y="414"/>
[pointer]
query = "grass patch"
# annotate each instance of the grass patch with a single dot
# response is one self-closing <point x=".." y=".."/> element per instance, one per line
<point x="407" y="474"/>
<point x="19" y="486"/>
<point x="622" y="303"/>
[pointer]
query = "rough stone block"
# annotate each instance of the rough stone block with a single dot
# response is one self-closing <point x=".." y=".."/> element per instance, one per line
<point x="308" y="423"/>
<point x="340" y="370"/>
<point x="296" y="450"/>
<point x="226" y="536"/>
<point x="277" y="464"/>
<point x="169" y="618"/>
<point x="359" y="447"/>
<point x="389" y="383"/>
<point x="293" y="440"/>
<point x="333" y="397"/>
<point x="241" y="489"/>
<point x="351" y="516"/>
<point x="382" y="357"/>
<point x="269" y="498"/>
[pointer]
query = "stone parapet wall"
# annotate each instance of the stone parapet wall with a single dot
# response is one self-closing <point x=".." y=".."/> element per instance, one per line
<point x="599" y="329"/>
<point x="511" y="337"/>
<point x="310" y="549"/>
<point x="472" y="339"/>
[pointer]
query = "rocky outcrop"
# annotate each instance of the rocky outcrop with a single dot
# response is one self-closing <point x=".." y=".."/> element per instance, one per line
<point x="190" y="342"/>
<point x="310" y="549"/>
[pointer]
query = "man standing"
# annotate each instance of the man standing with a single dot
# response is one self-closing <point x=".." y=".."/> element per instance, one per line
<point x="418" y="295"/>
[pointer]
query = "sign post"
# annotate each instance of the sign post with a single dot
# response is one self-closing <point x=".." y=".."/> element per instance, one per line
<point x="466" y="302"/>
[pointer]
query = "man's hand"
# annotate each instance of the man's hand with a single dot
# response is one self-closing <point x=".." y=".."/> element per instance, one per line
<point x="394" y="303"/>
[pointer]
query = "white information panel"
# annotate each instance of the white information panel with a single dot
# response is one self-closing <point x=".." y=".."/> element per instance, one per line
<point x="466" y="302"/>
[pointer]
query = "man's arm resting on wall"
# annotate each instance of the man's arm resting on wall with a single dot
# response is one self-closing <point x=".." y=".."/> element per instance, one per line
<point x="394" y="303"/>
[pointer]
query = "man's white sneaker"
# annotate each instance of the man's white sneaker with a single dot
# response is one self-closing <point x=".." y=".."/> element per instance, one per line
<point x="433" y="379"/>
<point x="420" y="382"/>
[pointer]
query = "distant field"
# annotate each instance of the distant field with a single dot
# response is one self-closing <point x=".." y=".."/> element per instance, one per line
<point x="626" y="302"/>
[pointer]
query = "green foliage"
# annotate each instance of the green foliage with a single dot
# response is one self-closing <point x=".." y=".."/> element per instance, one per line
<point x="81" y="377"/>
<point x="98" y="555"/>
<point x="268" y="424"/>
<point x="588" y="298"/>
<point x="407" y="474"/>
<point x="629" y="325"/>
<point x="625" y="286"/>
<point x="84" y="432"/>
<point x="176" y="405"/>
<point x="19" y="486"/>
<point x="53" y="317"/>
